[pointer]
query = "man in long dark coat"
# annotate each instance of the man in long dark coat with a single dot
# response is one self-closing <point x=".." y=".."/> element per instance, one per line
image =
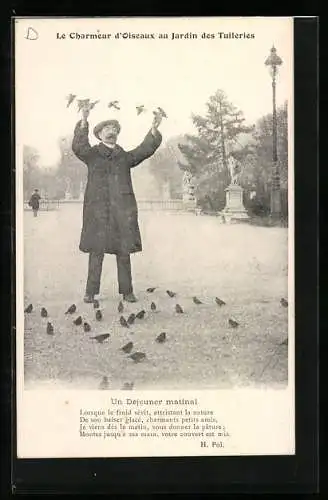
<point x="110" y="214"/>
<point x="34" y="202"/>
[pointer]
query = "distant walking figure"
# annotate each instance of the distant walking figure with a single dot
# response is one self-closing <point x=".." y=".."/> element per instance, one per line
<point x="110" y="214"/>
<point x="34" y="202"/>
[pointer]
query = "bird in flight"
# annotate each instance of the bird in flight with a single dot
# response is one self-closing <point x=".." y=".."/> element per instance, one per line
<point x="70" y="98"/>
<point x="114" y="104"/>
<point x="140" y="109"/>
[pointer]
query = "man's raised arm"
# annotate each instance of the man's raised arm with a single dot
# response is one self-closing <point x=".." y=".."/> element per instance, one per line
<point x="80" y="145"/>
<point x="147" y="148"/>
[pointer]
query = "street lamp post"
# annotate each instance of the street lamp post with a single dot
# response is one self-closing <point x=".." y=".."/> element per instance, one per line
<point x="273" y="61"/>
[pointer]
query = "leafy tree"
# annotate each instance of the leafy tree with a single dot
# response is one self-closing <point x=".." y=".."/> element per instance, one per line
<point x="206" y="153"/>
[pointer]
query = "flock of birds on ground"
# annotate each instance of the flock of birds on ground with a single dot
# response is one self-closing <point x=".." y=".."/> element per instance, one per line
<point x="136" y="356"/>
<point x="88" y="104"/>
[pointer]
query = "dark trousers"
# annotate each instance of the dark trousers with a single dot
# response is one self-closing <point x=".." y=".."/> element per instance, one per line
<point x="123" y="273"/>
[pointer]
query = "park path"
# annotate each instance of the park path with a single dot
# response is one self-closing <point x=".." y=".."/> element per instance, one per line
<point x="244" y="265"/>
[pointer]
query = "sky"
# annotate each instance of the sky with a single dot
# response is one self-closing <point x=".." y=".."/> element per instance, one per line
<point x="179" y="75"/>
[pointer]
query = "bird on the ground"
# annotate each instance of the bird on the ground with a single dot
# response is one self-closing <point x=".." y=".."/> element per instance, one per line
<point x="101" y="338"/>
<point x="161" y="338"/>
<point x="78" y="321"/>
<point x="131" y="319"/>
<point x="284" y="342"/>
<point x="140" y="109"/>
<point x="29" y="308"/>
<point x="160" y="111"/>
<point x="196" y="300"/>
<point x="151" y="289"/>
<point x="233" y="323"/>
<point x="71" y="309"/>
<point x="178" y="309"/>
<point x="70" y="98"/>
<point x="153" y="306"/>
<point x="123" y="322"/>
<point x="127" y="347"/>
<point x="170" y="293"/>
<point x="137" y="356"/>
<point x="120" y="307"/>
<point x="82" y="103"/>
<point x="50" y="328"/>
<point x="96" y="304"/>
<point x="127" y="386"/>
<point x="114" y="104"/>
<point x="104" y="384"/>
<point x="141" y="314"/>
<point x="86" y="327"/>
<point x="92" y="104"/>
<point x="284" y="302"/>
<point x="44" y="312"/>
<point x="98" y="315"/>
<point x="219" y="301"/>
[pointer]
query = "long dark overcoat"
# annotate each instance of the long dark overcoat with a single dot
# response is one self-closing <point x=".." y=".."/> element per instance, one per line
<point x="110" y="213"/>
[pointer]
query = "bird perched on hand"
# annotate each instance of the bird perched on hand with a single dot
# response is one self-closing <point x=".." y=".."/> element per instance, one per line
<point x="71" y="309"/>
<point x="29" y="308"/>
<point x="153" y="306"/>
<point x="196" y="300"/>
<point x="127" y="347"/>
<point x="92" y="104"/>
<point x="137" y="356"/>
<point x="124" y="322"/>
<point x="141" y="314"/>
<point x="233" y="323"/>
<point x="161" y="112"/>
<point x="50" y="328"/>
<point x="140" y="109"/>
<point x="101" y="338"/>
<point x="96" y="304"/>
<point x="219" y="301"/>
<point x="151" y="289"/>
<point x="44" y="312"/>
<point x="86" y="327"/>
<point x="127" y="386"/>
<point x="82" y="103"/>
<point x="98" y="315"/>
<point x="70" y="98"/>
<point x="161" y="338"/>
<point x="284" y="303"/>
<point x="78" y="321"/>
<point x="170" y="293"/>
<point x="104" y="384"/>
<point x="120" y="307"/>
<point x="178" y="309"/>
<point x="131" y="319"/>
<point x="114" y="104"/>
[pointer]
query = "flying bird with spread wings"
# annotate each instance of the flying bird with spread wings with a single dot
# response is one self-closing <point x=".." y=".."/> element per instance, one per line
<point x="140" y="109"/>
<point x="70" y="98"/>
<point x="114" y="104"/>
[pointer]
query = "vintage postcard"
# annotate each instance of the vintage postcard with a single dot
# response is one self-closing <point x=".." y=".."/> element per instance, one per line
<point x="155" y="238"/>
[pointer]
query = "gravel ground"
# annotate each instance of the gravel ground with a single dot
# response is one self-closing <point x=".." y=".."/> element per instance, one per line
<point x="246" y="266"/>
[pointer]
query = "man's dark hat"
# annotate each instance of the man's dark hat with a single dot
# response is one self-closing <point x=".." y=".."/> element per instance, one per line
<point x="102" y="124"/>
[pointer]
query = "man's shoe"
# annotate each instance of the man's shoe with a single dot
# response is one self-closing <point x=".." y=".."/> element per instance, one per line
<point x="129" y="297"/>
<point x="89" y="299"/>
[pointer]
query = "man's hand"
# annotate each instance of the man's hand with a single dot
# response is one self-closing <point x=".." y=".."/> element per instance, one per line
<point x="85" y="114"/>
<point x="156" y="123"/>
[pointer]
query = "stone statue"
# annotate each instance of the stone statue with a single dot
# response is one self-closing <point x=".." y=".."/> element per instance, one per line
<point x="233" y="170"/>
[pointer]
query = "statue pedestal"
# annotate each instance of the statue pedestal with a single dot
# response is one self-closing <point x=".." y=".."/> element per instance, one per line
<point x="234" y="209"/>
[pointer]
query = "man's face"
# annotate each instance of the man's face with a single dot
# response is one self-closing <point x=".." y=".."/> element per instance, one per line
<point x="109" y="134"/>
